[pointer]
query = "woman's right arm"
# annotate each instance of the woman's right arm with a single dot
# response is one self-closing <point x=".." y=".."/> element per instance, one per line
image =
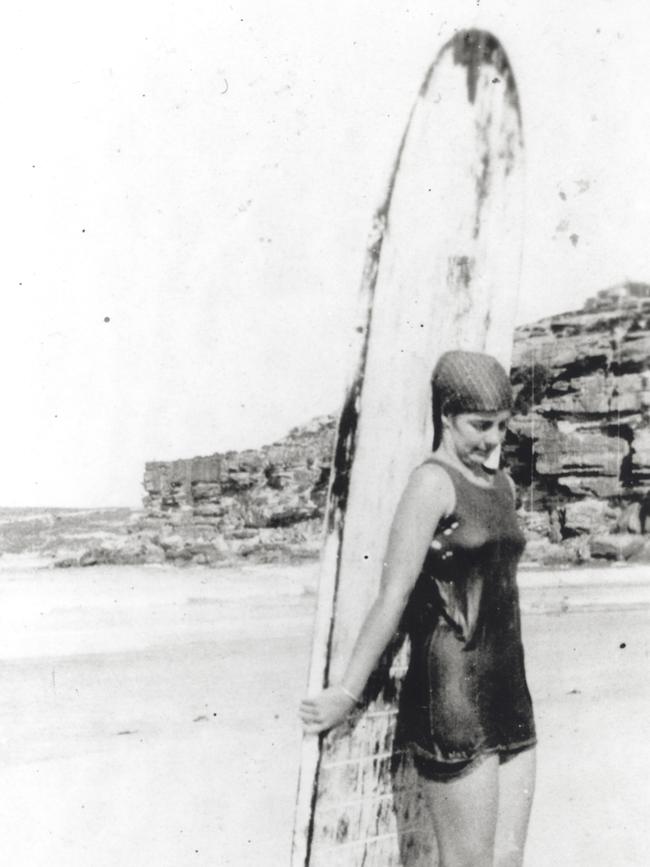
<point x="428" y="497"/>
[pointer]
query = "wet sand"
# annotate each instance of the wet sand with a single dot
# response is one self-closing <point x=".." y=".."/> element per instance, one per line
<point x="148" y="714"/>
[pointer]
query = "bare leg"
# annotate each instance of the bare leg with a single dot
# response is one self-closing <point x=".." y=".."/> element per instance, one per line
<point x="464" y="813"/>
<point x="516" y="786"/>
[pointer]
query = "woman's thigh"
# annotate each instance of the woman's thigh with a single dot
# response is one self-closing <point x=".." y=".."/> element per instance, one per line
<point x="516" y="787"/>
<point x="464" y="813"/>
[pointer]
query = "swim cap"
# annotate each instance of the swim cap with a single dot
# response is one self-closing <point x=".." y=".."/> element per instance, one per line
<point x="470" y="382"/>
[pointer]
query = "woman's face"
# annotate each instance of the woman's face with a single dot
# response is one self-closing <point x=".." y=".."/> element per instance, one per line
<point x="475" y="435"/>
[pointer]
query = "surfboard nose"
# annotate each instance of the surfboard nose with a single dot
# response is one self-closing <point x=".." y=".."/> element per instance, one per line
<point x="474" y="49"/>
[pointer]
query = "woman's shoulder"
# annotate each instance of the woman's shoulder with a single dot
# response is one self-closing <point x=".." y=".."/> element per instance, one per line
<point x="436" y="472"/>
<point x="430" y="481"/>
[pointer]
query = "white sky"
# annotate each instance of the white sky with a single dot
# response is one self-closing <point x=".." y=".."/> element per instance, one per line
<point x="204" y="175"/>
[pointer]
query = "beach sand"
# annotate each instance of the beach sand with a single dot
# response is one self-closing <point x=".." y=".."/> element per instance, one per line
<point x="148" y="714"/>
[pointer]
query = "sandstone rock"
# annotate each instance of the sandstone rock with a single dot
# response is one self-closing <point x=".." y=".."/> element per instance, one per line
<point x="532" y="426"/>
<point x="171" y="542"/>
<point x="555" y="519"/>
<point x="636" y="348"/>
<point x="153" y="553"/>
<point x="536" y="524"/>
<point x="641" y="453"/>
<point x="205" y="555"/>
<point x="65" y="562"/>
<point x="244" y="534"/>
<point x="179" y="555"/>
<point x="537" y="549"/>
<point x="579" y="549"/>
<point x="584" y="486"/>
<point x="599" y="394"/>
<point x="642" y="555"/>
<point x="587" y="516"/>
<point x="91" y="558"/>
<point x="209" y="510"/>
<point x="200" y="559"/>
<point x="593" y="452"/>
<point x="288" y="517"/>
<point x="629" y="520"/>
<point x="547" y="553"/>
<point x="620" y="546"/>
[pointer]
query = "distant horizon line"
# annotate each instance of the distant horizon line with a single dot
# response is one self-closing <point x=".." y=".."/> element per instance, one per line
<point x="71" y="508"/>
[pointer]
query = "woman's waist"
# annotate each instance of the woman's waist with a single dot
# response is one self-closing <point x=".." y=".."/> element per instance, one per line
<point x="465" y="605"/>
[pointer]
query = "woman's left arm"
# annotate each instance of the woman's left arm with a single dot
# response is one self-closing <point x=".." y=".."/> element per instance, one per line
<point x="428" y="496"/>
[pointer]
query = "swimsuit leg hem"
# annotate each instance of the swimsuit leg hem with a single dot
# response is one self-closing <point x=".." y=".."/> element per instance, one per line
<point x="439" y="769"/>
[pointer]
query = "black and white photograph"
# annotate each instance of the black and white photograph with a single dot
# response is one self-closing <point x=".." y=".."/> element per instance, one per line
<point x="325" y="514"/>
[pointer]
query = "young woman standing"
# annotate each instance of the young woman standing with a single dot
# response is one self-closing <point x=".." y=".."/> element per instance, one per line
<point x="450" y="578"/>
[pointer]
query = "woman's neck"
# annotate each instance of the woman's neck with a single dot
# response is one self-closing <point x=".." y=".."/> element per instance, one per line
<point x="477" y="473"/>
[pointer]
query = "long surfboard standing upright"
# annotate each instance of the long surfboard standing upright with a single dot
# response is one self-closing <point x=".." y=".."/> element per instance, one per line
<point x="442" y="272"/>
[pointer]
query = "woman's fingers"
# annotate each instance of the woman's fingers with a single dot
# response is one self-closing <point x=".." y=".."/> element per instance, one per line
<point x="310" y="712"/>
<point x="312" y="721"/>
<point x="324" y="711"/>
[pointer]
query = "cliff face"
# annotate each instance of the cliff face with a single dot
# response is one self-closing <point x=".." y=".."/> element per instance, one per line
<point x="578" y="446"/>
<point x="582" y="426"/>
<point x="265" y="503"/>
<point x="579" y="441"/>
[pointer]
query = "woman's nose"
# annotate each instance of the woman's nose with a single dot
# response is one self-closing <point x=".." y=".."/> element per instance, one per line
<point x="493" y="436"/>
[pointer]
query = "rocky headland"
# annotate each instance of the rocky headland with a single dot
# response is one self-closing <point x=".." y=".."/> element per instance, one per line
<point x="578" y="447"/>
<point x="579" y="441"/>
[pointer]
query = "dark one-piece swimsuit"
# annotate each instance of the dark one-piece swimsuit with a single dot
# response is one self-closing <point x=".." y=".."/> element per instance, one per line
<point x="465" y="694"/>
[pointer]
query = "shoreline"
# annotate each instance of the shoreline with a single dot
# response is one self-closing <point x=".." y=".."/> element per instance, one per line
<point x="529" y="572"/>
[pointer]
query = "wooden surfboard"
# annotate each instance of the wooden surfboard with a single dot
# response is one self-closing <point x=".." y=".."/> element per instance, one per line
<point x="442" y="272"/>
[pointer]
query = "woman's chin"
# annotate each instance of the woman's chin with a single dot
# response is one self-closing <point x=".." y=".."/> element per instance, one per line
<point x="473" y="462"/>
<point x="480" y="462"/>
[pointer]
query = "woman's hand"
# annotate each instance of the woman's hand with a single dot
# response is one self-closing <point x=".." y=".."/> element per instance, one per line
<point x="327" y="709"/>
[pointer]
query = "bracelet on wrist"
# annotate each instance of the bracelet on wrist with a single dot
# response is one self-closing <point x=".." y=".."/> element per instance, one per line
<point x="349" y="694"/>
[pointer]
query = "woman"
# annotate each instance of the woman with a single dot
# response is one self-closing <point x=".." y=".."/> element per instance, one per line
<point x="450" y="578"/>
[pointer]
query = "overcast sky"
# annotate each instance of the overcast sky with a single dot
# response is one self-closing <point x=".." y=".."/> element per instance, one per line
<point x="188" y="188"/>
